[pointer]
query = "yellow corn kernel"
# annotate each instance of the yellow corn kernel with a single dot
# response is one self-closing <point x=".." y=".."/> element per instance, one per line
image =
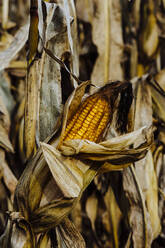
<point x="90" y="121"/>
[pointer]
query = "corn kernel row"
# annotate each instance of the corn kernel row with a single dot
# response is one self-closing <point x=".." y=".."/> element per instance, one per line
<point x="90" y="121"/>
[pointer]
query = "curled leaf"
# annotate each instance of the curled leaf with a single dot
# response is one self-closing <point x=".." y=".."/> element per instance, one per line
<point x="115" y="151"/>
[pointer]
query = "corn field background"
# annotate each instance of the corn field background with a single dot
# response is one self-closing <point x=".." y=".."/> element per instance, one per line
<point x="82" y="123"/>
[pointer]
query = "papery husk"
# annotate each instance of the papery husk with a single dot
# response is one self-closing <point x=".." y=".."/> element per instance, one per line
<point x="72" y="182"/>
<point x="112" y="150"/>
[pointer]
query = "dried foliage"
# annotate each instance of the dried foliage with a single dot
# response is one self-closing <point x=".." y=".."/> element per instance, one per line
<point x="82" y="124"/>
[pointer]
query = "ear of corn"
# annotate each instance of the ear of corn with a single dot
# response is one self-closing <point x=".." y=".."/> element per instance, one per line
<point x="95" y="113"/>
<point x="90" y="121"/>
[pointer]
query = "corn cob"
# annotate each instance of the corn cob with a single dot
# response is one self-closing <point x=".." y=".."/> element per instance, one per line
<point x="90" y="121"/>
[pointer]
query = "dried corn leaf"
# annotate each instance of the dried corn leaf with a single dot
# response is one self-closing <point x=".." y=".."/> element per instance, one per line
<point x="16" y="45"/>
<point x="114" y="215"/>
<point x="49" y="216"/>
<point x="49" y="101"/>
<point x="50" y="81"/>
<point x="138" y="214"/>
<point x="34" y="179"/>
<point x="69" y="236"/>
<point x="151" y="195"/>
<point x="70" y="12"/>
<point x="149" y="31"/>
<point x="76" y="216"/>
<point x="145" y="225"/>
<point x="31" y="110"/>
<point x="103" y="16"/>
<point x="109" y="45"/>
